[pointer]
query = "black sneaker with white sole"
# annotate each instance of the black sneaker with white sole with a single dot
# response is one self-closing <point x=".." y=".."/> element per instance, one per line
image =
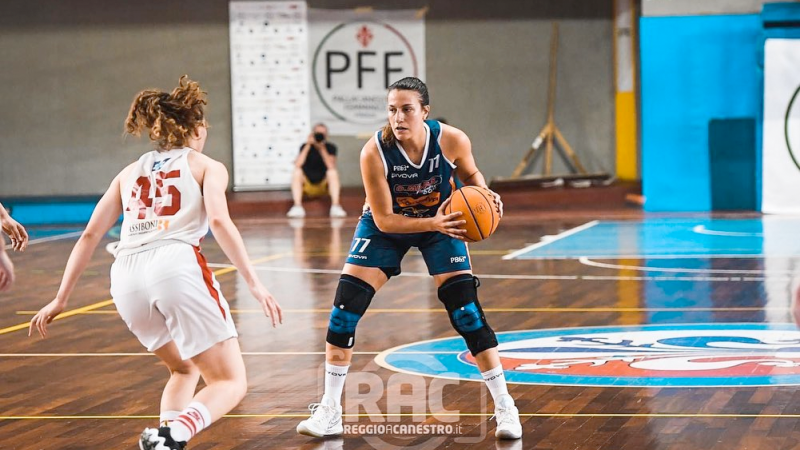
<point x="159" y="439"/>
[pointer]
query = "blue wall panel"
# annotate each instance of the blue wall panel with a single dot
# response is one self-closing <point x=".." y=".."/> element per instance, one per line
<point x="693" y="69"/>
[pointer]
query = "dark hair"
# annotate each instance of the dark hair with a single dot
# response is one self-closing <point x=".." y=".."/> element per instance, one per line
<point x="405" y="84"/>
<point x="172" y="118"/>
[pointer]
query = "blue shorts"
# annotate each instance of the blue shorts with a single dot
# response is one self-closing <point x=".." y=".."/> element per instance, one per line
<point x="372" y="247"/>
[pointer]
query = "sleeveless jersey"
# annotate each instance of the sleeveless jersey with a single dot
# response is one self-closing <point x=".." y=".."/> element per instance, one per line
<point x="161" y="200"/>
<point x="417" y="190"/>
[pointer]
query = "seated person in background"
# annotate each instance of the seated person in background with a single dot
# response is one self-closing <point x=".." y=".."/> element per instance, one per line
<point x="315" y="173"/>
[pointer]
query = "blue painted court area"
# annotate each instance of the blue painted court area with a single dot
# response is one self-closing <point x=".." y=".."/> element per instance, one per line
<point x="672" y="238"/>
<point x="653" y="355"/>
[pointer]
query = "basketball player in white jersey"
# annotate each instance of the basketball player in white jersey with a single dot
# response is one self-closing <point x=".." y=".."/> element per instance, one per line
<point x="160" y="282"/>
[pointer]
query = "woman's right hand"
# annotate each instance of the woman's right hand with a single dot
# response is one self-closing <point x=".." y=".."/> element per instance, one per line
<point x="268" y="303"/>
<point x="45" y="316"/>
<point x="449" y="224"/>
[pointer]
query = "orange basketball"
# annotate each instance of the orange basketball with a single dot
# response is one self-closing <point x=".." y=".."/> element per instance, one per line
<point x="478" y="209"/>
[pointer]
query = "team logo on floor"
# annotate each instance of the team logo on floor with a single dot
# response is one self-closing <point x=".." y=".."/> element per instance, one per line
<point x="677" y="355"/>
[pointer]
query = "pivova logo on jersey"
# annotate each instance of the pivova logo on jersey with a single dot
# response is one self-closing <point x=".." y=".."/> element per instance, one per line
<point x="405" y="175"/>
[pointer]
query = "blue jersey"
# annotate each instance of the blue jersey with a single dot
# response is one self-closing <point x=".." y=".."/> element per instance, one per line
<point x="417" y="190"/>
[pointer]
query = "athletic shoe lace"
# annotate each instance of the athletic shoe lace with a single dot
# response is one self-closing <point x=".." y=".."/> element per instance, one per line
<point x="504" y="416"/>
<point x="321" y="414"/>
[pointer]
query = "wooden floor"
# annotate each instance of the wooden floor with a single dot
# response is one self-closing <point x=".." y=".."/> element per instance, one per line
<point x="92" y="386"/>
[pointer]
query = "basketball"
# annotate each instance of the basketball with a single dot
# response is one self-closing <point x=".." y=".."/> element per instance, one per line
<point x="478" y="209"/>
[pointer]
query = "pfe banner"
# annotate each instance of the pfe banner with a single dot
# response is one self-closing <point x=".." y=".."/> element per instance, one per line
<point x="781" y="150"/>
<point x="354" y="56"/>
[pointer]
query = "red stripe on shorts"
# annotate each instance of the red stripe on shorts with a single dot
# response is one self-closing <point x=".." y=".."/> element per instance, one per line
<point x="208" y="277"/>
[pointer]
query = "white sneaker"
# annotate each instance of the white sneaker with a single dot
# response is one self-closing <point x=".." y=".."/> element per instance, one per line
<point x="296" y="212"/>
<point x="337" y="211"/>
<point x="325" y="420"/>
<point x="159" y="439"/>
<point x="507" y="415"/>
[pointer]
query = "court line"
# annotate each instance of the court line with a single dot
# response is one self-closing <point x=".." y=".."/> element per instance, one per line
<point x="404" y="274"/>
<point x="57" y="237"/>
<point x="588" y="262"/>
<point x="412" y="252"/>
<point x="427" y="414"/>
<point x="526" y="277"/>
<point x="658" y="256"/>
<point x="701" y="229"/>
<point x="551" y="239"/>
<point x="493" y="310"/>
<point x="135" y="354"/>
<point x="63" y="315"/>
<point x="104" y="303"/>
<point x="686" y="278"/>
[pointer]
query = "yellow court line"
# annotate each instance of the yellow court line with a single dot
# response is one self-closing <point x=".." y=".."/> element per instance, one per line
<point x="494" y="310"/>
<point x="515" y="310"/>
<point x="104" y="303"/>
<point x="64" y="315"/>
<point x="447" y="414"/>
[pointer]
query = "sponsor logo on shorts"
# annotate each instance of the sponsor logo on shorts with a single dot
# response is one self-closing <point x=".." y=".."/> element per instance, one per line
<point x="354" y="256"/>
<point x="458" y="259"/>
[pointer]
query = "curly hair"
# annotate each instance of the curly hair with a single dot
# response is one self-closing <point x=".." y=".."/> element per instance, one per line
<point x="171" y="118"/>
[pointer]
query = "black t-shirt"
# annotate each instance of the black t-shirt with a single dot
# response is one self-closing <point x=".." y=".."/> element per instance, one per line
<point x="314" y="167"/>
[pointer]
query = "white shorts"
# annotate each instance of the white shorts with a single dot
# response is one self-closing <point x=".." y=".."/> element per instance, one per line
<point x="167" y="293"/>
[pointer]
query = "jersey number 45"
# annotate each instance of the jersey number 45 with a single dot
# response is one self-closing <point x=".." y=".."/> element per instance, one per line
<point x="143" y="196"/>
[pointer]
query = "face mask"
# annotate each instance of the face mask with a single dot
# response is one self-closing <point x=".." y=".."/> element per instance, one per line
<point x="319" y="137"/>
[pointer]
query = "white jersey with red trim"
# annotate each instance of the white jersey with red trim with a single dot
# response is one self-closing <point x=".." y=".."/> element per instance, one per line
<point x="161" y="200"/>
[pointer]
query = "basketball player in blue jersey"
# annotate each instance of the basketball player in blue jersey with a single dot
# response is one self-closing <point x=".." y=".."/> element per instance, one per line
<point x="407" y="169"/>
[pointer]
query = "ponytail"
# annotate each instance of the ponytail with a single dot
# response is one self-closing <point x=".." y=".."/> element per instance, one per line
<point x="171" y="118"/>
<point x="387" y="136"/>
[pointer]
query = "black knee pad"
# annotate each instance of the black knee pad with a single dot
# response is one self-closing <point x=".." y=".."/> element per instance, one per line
<point x="460" y="297"/>
<point x="353" y="297"/>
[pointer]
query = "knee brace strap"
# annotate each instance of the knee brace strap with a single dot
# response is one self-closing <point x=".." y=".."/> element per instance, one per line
<point x="353" y="297"/>
<point x="460" y="297"/>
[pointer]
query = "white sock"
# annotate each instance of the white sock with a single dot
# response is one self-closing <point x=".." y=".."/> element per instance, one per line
<point x="334" y="381"/>
<point x="496" y="382"/>
<point x="191" y="421"/>
<point x="168" y="416"/>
